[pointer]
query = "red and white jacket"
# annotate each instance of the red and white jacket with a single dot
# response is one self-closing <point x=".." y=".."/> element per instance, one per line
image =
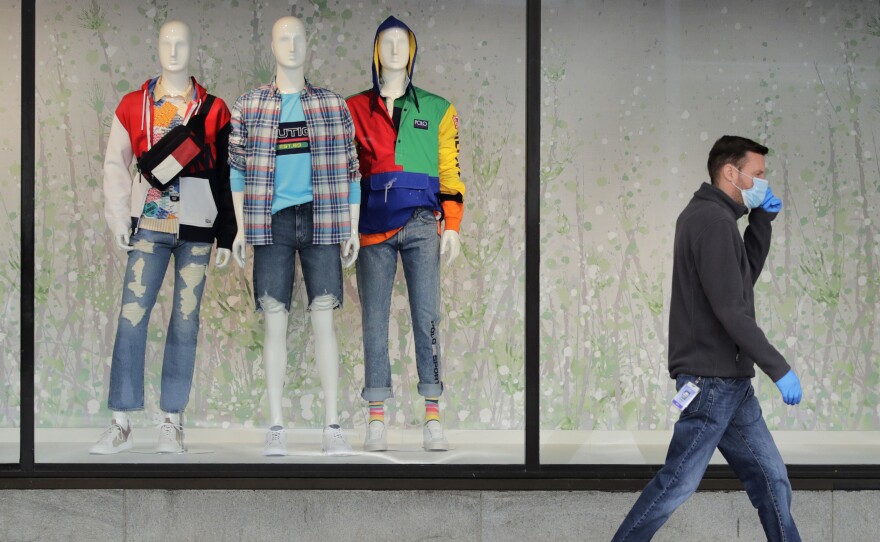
<point x="206" y="212"/>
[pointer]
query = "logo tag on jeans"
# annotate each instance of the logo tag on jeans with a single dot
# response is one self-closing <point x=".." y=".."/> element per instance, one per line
<point x="685" y="395"/>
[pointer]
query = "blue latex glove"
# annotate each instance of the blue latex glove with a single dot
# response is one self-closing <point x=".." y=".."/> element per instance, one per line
<point x="771" y="203"/>
<point x="790" y="388"/>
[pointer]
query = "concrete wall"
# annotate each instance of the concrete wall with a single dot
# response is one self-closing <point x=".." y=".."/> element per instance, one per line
<point x="129" y="515"/>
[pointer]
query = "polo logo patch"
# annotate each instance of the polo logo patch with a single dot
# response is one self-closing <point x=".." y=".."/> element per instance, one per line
<point x="420" y="124"/>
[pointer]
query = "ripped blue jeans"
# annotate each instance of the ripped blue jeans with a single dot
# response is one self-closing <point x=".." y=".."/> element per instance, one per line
<point x="144" y="274"/>
<point x="274" y="264"/>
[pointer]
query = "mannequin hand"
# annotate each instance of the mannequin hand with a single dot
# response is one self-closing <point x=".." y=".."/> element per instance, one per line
<point x="222" y="260"/>
<point x="450" y="244"/>
<point x="239" y="249"/>
<point x="790" y="388"/>
<point x="349" y="250"/>
<point x="771" y="203"/>
<point x="122" y="241"/>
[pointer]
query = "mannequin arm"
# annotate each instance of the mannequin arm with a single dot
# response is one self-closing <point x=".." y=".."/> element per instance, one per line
<point x="352" y="247"/>
<point x="239" y="245"/>
<point x="117" y="184"/>
<point x="450" y="244"/>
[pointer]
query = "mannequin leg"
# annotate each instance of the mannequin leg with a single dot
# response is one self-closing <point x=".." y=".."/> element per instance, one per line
<point x="333" y="440"/>
<point x="144" y="274"/>
<point x="376" y="266"/>
<point x="121" y="418"/>
<point x="191" y="259"/>
<point x="322" y="274"/>
<point x="274" y="356"/>
<point x="432" y="409"/>
<point x="420" y="255"/>
<point x="326" y="355"/>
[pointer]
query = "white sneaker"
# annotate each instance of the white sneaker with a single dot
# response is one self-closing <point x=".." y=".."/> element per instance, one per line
<point x="434" y="441"/>
<point x="333" y="441"/>
<point x="114" y="440"/>
<point x="276" y="441"/>
<point x="170" y="439"/>
<point x="377" y="440"/>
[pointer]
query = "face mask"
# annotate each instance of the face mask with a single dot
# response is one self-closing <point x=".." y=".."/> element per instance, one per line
<point x="753" y="197"/>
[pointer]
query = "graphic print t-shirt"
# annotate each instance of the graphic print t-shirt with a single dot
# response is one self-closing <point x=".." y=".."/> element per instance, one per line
<point x="293" y="159"/>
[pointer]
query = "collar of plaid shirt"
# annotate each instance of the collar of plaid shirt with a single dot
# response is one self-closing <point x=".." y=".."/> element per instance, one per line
<point x="255" y="119"/>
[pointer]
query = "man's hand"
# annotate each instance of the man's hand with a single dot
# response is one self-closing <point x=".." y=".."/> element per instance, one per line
<point x="790" y="388"/>
<point x="771" y="203"/>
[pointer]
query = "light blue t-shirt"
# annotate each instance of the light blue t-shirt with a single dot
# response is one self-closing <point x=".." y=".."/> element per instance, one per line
<point x="293" y="160"/>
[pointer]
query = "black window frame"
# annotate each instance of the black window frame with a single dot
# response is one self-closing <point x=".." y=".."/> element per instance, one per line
<point x="530" y="475"/>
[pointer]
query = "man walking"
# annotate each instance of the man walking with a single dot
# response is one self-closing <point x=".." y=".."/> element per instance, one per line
<point x="714" y="343"/>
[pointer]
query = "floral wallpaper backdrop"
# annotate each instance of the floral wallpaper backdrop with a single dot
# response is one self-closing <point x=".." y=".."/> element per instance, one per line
<point x="90" y="53"/>
<point x="10" y="210"/>
<point x="631" y="108"/>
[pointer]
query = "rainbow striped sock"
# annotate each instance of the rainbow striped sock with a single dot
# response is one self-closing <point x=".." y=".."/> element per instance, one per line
<point x="432" y="409"/>
<point x="377" y="411"/>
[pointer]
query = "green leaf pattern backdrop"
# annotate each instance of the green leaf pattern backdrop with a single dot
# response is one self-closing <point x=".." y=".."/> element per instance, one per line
<point x="10" y="211"/>
<point x="631" y="107"/>
<point x="89" y="53"/>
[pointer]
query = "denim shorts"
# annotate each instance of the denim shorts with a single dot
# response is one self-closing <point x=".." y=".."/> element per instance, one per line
<point x="274" y="264"/>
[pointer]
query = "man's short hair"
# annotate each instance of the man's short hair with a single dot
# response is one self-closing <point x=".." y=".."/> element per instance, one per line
<point x="731" y="150"/>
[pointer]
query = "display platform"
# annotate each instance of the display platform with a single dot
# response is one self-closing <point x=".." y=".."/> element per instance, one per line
<point x="303" y="445"/>
<point x="649" y="447"/>
<point x="468" y="447"/>
<point x="9" y="447"/>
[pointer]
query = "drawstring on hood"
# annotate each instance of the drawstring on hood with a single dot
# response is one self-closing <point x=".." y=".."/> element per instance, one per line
<point x="393" y="22"/>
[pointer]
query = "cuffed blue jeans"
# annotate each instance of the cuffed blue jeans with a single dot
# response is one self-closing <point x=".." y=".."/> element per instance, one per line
<point x="725" y="414"/>
<point x="144" y="273"/>
<point x="418" y="244"/>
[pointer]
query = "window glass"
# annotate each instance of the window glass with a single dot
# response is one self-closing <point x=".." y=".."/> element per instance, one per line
<point x="10" y="242"/>
<point x="90" y="55"/>
<point x="634" y="96"/>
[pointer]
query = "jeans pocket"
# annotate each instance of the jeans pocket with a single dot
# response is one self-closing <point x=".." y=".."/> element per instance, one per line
<point x="426" y="215"/>
<point x="697" y="401"/>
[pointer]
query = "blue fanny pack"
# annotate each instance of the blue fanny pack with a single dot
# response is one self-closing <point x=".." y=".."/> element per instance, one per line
<point x="389" y="199"/>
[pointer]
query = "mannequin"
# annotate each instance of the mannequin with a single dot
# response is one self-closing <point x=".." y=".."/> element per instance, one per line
<point x="394" y="56"/>
<point x="174" y="50"/>
<point x="413" y="201"/>
<point x="290" y="85"/>
<point x="152" y="225"/>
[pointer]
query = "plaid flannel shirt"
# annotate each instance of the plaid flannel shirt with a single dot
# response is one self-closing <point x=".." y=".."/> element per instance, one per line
<point x="255" y="118"/>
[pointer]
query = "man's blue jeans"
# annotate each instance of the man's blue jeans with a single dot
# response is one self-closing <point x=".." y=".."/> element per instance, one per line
<point x="144" y="273"/>
<point x="418" y="244"/>
<point x="725" y="414"/>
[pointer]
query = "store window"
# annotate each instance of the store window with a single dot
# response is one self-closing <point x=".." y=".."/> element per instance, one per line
<point x="631" y="108"/>
<point x="91" y="54"/>
<point x="10" y="242"/>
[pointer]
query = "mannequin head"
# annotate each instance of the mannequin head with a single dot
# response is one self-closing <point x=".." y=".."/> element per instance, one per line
<point x="394" y="50"/>
<point x="174" y="47"/>
<point x="289" y="43"/>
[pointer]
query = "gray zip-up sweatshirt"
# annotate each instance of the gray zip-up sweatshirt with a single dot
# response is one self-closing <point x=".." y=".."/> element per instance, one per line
<point x="712" y="327"/>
